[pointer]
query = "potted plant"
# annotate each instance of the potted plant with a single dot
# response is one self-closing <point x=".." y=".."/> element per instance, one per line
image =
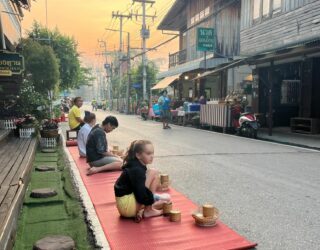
<point x="25" y="126"/>
<point x="49" y="128"/>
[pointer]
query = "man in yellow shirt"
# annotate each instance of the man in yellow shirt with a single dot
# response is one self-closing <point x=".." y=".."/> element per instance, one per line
<point x="75" y="121"/>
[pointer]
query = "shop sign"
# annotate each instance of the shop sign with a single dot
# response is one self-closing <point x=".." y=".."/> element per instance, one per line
<point x="205" y="39"/>
<point x="11" y="64"/>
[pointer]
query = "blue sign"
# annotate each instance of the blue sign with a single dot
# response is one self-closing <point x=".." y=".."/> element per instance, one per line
<point x="137" y="85"/>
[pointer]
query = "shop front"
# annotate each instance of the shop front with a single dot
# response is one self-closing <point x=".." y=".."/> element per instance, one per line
<point x="286" y="89"/>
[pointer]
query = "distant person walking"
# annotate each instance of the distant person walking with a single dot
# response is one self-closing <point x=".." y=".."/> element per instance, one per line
<point x="94" y="105"/>
<point x="75" y="121"/>
<point x="164" y="107"/>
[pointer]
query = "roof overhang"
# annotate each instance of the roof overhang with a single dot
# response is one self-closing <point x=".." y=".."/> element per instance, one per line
<point x="284" y="55"/>
<point x="164" y="83"/>
<point x="222" y="67"/>
<point x="192" y="66"/>
<point x="176" y="18"/>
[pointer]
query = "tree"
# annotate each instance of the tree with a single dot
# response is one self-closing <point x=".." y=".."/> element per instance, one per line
<point x="41" y="66"/>
<point x="136" y="76"/>
<point x="72" y="74"/>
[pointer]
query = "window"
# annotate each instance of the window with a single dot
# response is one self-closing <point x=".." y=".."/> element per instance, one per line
<point x="290" y="91"/>
<point x="197" y="17"/>
<point x="266" y="8"/>
<point x="207" y="11"/>
<point x="201" y="14"/>
<point x="276" y="5"/>
<point x="256" y="9"/>
<point x="192" y="20"/>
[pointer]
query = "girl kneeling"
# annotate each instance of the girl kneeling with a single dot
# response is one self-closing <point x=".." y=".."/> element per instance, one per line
<point x="136" y="186"/>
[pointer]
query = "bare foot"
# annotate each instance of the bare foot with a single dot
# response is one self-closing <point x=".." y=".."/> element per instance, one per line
<point x="139" y="216"/>
<point x="158" y="205"/>
<point x="151" y="213"/>
<point x="92" y="170"/>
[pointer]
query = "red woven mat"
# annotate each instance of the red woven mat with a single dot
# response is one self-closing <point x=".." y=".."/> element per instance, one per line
<point x="153" y="233"/>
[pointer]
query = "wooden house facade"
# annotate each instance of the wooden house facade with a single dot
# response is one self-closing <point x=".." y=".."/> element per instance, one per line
<point x="281" y="39"/>
<point x="11" y="14"/>
<point x="185" y="17"/>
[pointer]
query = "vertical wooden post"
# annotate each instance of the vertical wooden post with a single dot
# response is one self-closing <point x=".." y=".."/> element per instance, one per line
<point x="271" y="78"/>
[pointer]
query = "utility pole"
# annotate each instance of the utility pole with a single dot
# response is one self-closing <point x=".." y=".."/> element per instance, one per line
<point x="129" y="76"/>
<point x="145" y="34"/>
<point x="121" y="17"/>
<point x="105" y="65"/>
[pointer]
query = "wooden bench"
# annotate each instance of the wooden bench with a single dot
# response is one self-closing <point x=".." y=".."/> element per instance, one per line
<point x="305" y="125"/>
<point x="16" y="158"/>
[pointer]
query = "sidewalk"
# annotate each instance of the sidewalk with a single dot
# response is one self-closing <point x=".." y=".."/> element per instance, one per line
<point x="285" y="136"/>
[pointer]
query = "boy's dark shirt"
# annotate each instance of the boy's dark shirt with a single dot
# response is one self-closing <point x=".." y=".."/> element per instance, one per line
<point x="132" y="180"/>
<point x="97" y="144"/>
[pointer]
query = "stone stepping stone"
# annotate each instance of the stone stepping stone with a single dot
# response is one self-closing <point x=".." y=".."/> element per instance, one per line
<point x="43" y="193"/>
<point x="45" y="168"/>
<point x="55" y="242"/>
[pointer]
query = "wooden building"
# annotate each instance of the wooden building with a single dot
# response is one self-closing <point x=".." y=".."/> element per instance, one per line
<point x="185" y="17"/>
<point x="11" y="14"/>
<point x="281" y="40"/>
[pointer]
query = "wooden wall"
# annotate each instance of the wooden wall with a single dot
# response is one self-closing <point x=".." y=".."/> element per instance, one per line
<point x="226" y="24"/>
<point x="296" y="22"/>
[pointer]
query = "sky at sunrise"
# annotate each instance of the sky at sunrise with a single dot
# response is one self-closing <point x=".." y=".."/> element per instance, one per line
<point x="86" y="22"/>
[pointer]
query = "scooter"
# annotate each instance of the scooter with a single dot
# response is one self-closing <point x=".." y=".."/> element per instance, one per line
<point x="246" y="125"/>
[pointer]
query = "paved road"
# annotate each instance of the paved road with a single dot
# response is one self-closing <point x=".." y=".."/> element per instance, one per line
<point x="267" y="192"/>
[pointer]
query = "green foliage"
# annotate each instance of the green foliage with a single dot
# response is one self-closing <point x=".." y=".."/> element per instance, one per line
<point x="41" y="66"/>
<point x="136" y="76"/>
<point x="72" y="74"/>
<point x="32" y="102"/>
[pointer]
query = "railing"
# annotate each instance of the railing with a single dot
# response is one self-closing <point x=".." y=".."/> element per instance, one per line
<point x="177" y="58"/>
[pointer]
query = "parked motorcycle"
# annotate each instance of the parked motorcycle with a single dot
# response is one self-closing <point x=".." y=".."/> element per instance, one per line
<point x="245" y="124"/>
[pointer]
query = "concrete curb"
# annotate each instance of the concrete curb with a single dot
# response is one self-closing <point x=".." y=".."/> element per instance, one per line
<point x="91" y="215"/>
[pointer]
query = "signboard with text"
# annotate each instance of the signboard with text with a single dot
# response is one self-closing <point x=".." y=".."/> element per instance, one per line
<point x="205" y="39"/>
<point x="11" y="64"/>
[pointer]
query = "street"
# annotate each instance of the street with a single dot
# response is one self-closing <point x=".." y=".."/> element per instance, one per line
<point x="267" y="192"/>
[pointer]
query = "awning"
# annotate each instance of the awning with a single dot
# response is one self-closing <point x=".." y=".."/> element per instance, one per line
<point x="221" y="67"/>
<point x="166" y="82"/>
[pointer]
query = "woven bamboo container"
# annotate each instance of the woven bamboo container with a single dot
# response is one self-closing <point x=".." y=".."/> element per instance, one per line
<point x="200" y="220"/>
<point x="167" y="207"/>
<point x="164" y="179"/>
<point x="175" y="216"/>
<point x="207" y="210"/>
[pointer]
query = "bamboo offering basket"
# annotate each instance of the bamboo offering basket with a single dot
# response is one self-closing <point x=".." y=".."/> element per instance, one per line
<point x="206" y="221"/>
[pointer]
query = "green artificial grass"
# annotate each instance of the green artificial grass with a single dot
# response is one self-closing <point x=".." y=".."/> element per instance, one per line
<point x="40" y="154"/>
<point x="45" y="180"/>
<point x="61" y="214"/>
<point x="44" y="163"/>
<point x="46" y="158"/>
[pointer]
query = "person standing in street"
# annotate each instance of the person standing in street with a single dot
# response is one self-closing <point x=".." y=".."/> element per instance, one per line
<point x="90" y="121"/>
<point x="164" y="107"/>
<point x="98" y="156"/>
<point x="75" y="121"/>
